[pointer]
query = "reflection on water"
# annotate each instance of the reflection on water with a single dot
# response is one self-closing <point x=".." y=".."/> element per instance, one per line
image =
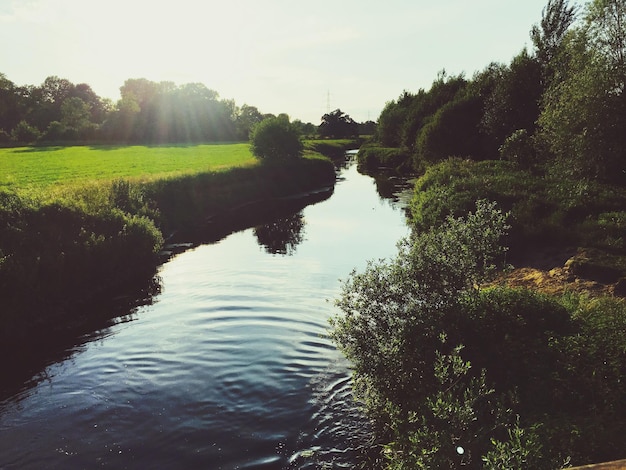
<point x="229" y="366"/>
<point x="282" y="235"/>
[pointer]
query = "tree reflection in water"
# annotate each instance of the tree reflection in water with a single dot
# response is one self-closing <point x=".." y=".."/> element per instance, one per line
<point x="282" y="235"/>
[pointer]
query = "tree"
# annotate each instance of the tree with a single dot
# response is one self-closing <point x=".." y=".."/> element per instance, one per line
<point x="547" y="37"/>
<point x="247" y="118"/>
<point x="583" y="116"/>
<point x="338" y="125"/>
<point x="75" y="113"/>
<point x="24" y="133"/>
<point x="9" y="104"/>
<point x="606" y="22"/>
<point x="454" y="130"/>
<point x="276" y="139"/>
<point x="513" y="103"/>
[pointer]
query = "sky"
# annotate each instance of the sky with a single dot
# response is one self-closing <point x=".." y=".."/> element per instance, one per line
<point x="282" y="56"/>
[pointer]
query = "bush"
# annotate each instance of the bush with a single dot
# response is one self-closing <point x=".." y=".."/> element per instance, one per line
<point x="25" y="133"/>
<point x="518" y="148"/>
<point x="276" y="139"/>
<point x="395" y="325"/>
<point x="456" y="376"/>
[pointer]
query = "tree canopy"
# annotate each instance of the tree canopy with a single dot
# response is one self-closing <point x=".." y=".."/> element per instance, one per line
<point x="276" y="139"/>
<point x="338" y="125"/>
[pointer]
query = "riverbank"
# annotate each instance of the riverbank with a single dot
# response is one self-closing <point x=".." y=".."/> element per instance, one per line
<point x="98" y="239"/>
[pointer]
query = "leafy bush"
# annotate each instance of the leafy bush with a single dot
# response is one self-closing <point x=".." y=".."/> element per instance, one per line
<point x="457" y="377"/>
<point x="396" y="318"/>
<point x="25" y="133"/>
<point x="276" y="139"/>
<point x="518" y="148"/>
<point x="452" y="131"/>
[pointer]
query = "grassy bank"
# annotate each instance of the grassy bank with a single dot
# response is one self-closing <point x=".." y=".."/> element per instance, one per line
<point x="67" y="236"/>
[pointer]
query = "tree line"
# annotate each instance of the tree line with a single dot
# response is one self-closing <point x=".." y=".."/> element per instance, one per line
<point x="561" y="103"/>
<point x="147" y="112"/>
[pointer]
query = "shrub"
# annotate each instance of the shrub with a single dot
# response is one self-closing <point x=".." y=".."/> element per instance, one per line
<point x="518" y="148"/>
<point x="394" y="328"/>
<point x="25" y="133"/>
<point x="276" y="139"/>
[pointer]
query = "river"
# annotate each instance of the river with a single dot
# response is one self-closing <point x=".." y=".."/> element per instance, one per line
<point x="228" y="366"/>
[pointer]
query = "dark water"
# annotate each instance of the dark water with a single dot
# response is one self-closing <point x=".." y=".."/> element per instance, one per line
<point x="228" y="367"/>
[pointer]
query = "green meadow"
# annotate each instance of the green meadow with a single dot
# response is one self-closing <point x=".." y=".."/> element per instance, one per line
<point x="41" y="167"/>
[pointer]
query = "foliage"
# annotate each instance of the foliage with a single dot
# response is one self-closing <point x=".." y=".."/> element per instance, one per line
<point x="513" y="103"/>
<point x="25" y="133"/>
<point x="519" y="149"/>
<point x="400" y="329"/>
<point x="372" y="156"/>
<point x="588" y="88"/>
<point x="276" y="139"/>
<point x="338" y="125"/>
<point x="544" y="210"/>
<point x="452" y="131"/>
<point x="456" y="376"/>
<point x="62" y="249"/>
<point x="548" y="36"/>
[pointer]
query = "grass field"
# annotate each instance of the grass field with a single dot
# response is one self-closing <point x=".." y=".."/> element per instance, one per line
<point x="40" y="167"/>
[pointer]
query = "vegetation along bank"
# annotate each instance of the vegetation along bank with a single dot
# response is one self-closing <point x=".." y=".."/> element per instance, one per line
<point x="460" y="361"/>
<point x="100" y="223"/>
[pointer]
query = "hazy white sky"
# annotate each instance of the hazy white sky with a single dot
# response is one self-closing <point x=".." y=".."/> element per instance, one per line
<point x="278" y="55"/>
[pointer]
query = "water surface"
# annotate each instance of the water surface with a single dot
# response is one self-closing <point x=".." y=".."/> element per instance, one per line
<point x="228" y="367"/>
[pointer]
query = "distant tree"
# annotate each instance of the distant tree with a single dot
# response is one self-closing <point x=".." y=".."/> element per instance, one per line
<point x="424" y="105"/>
<point x="276" y="139"/>
<point x="247" y="117"/>
<point x="548" y="35"/>
<point x="606" y="26"/>
<point x="367" y="128"/>
<point x="338" y="124"/>
<point x="9" y="104"/>
<point x="24" y="133"/>
<point x="305" y="128"/>
<point x="75" y="113"/>
<point x="392" y="119"/>
<point x="98" y="107"/>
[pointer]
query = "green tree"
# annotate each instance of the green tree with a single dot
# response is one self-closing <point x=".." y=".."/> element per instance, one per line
<point x="547" y="37"/>
<point x="276" y="139"/>
<point x="247" y="117"/>
<point x="583" y="117"/>
<point x="454" y="130"/>
<point x="606" y="22"/>
<point x="513" y="104"/>
<point x="338" y="125"/>
<point x="75" y="113"/>
<point x="24" y="133"/>
<point x="9" y="104"/>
